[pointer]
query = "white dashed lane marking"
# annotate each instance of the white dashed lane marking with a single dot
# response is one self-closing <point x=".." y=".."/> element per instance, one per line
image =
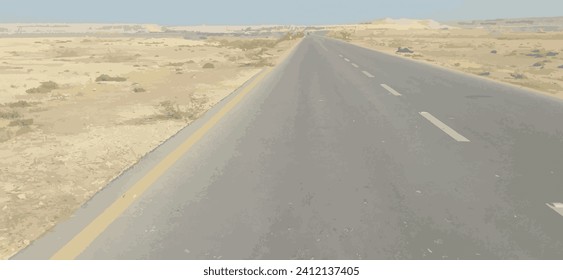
<point x="347" y="60"/>
<point x="557" y="207"/>
<point x="355" y="65"/>
<point x="448" y="130"/>
<point x="390" y="89"/>
<point x="368" y="74"/>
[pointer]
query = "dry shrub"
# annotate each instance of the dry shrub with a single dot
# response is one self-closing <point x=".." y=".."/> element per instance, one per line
<point x="176" y="64"/>
<point x="68" y="53"/>
<point x="248" y="44"/>
<point x="196" y="107"/>
<point x="9" y="114"/>
<point x="118" y="57"/>
<point x="518" y="76"/>
<point x="22" y="122"/>
<point x="45" y="87"/>
<point x="171" y="110"/>
<point x="260" y="63"/>
<point x="138" y="89"/>
<point x="21" y="104"/>
<point x="108" y="78"/>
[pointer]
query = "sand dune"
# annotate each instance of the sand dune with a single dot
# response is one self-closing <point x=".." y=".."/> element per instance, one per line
<point x="406" y="24"/>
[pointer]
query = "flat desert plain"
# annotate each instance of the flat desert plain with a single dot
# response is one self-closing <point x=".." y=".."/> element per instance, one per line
<point x="526" y="53"/>
<point x="75" y="112"/>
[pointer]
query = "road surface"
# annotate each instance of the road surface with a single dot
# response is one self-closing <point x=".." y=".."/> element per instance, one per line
<point x="344" y="153"/>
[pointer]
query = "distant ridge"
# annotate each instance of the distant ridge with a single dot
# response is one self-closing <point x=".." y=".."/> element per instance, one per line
<point x="71" y="28"/>
<point x="406" y="24"/>
<point x="533" y="24"/>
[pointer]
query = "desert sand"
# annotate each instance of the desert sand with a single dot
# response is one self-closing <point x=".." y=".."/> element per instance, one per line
<point x="519" y="52"/>
<point x="75" y="111"/>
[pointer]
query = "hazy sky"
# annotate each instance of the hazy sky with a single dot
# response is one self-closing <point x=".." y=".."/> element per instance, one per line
<point x="186" y="12"/>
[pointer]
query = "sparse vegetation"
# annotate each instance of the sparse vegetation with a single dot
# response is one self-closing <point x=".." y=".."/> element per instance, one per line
<point x="260" y="63"/>
<point x="20" y="104"/>
<point x="538" y="64"/>
<point x="9" y="114"/>
<point x="108" y="78"/>
<point x="22" y="122"/>
<point x="404" y="50"/>
<point x="208" y="65"/>
<point x="117" y="57"/>
<point x="518" y="76"/>
<point x="45" y="87"/>
<point x="251" y="44"/>
<point x="196" y="107"/>
<point x="67" y="53"/>
<point x="290" y="36"/>
<point x="345" y="34"/>
<point x="138" y="89"/>
<point x="533" y="58"/>
<point x="537" y="55"/>
<point x="171" y="110"/>
<point x="176" y="64"/>
<point x="246" y="45"/>
<point x="107" y="93"/>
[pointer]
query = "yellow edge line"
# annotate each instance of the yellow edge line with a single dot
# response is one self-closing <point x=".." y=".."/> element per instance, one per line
<point x="85" y="237"/>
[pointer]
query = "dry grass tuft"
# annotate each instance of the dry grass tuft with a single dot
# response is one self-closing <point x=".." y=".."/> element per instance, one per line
<point x="138" y="89"/>
<point x="45" y="87"/>
<point x="21" y="104"/>
<point x="9" y="114"/>
<point x="108" y="78"/>
<point x="22" y="122"/>
<point x="171" y="110"/>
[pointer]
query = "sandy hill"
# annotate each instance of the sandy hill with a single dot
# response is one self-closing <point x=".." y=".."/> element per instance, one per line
<point x="406" y="24"/>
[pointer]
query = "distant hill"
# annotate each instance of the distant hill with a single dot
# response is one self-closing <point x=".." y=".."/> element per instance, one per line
<point x="63" y="28"/>
<point x="405" y="24"/>
<point x="542" y="24"/>
<point x="9" y="29"/>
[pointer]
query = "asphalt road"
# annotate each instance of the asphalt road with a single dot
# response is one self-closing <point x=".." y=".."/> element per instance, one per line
<point x="346" y="153"/>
